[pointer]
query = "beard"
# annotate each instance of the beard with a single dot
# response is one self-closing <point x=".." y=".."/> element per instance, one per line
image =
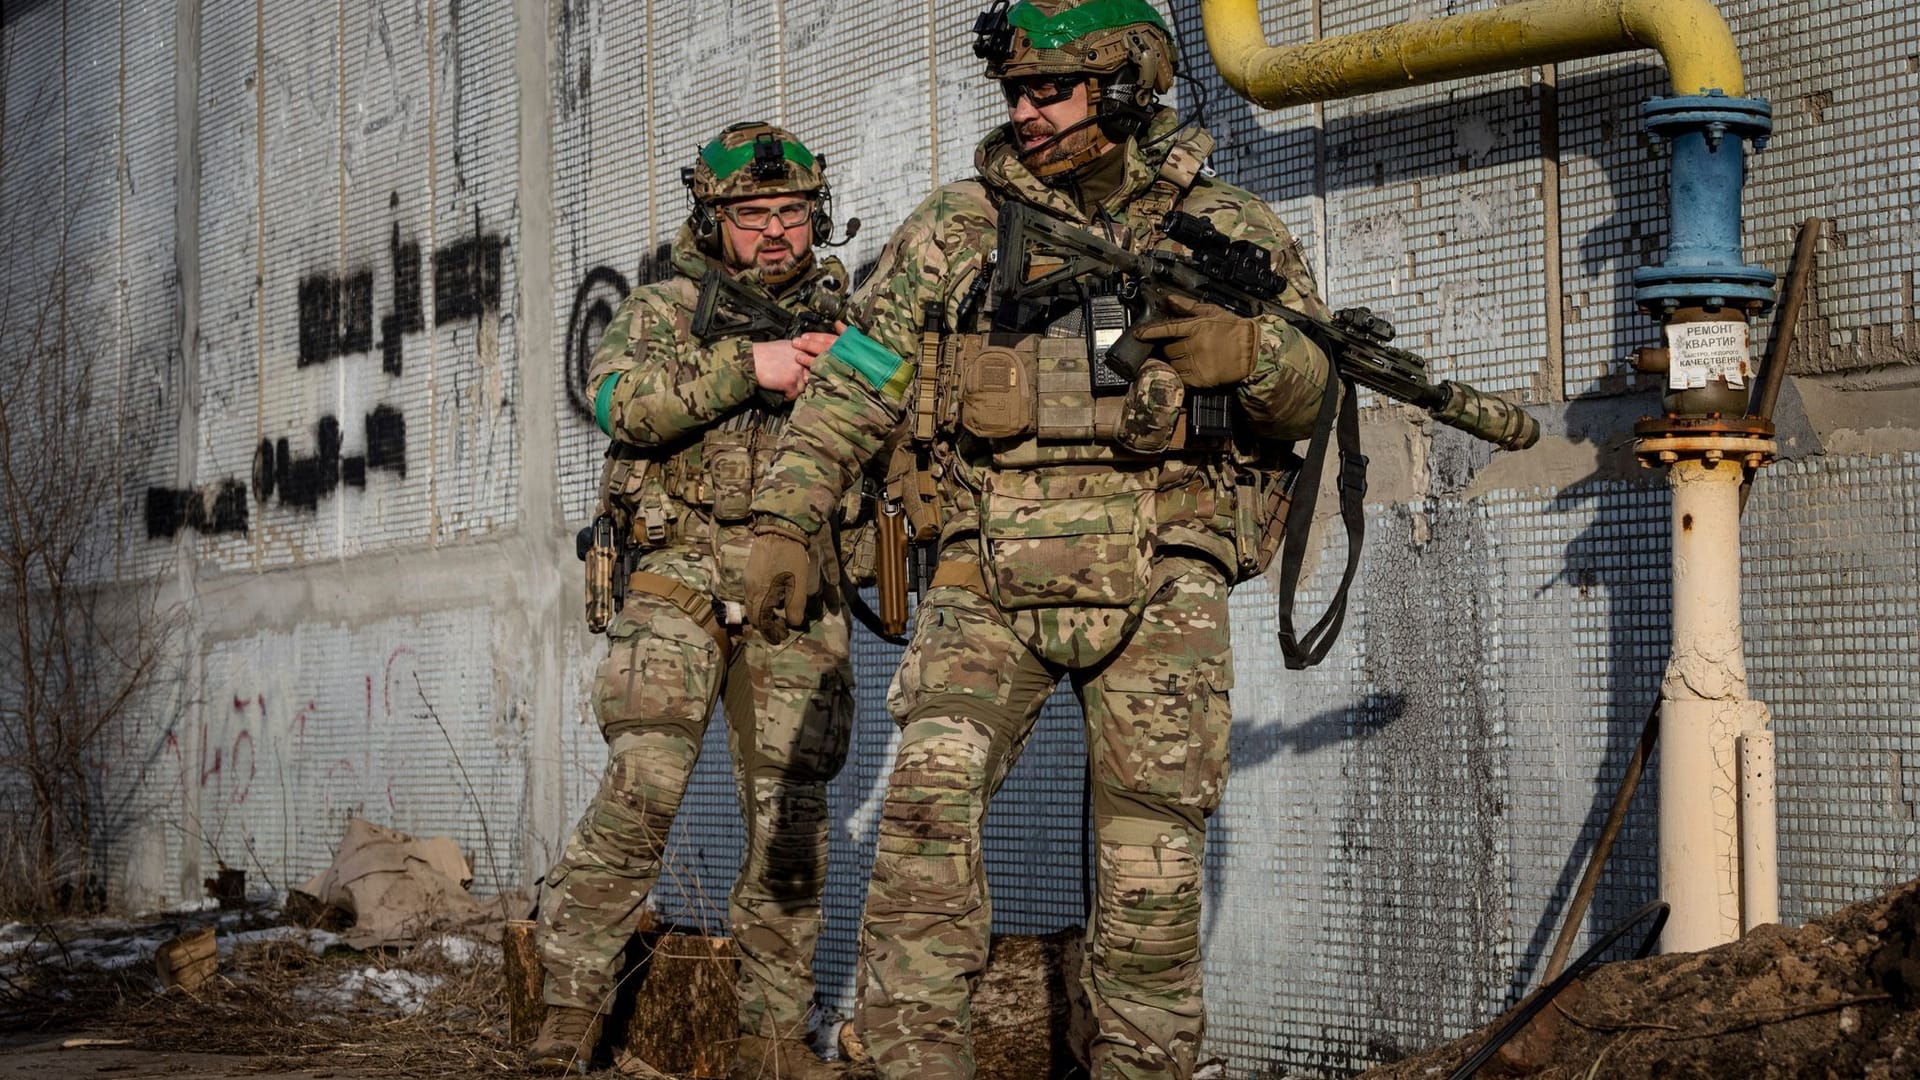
<point x="774" y="269"/>
<point x="1061" y="148"/>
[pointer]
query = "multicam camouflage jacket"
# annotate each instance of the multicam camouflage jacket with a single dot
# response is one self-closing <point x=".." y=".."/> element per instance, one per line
<point x="1021" y="500"/>
<point x="691" y="429"/>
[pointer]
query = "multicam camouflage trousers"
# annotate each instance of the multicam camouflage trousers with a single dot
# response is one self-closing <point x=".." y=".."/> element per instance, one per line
<point x="968" y="692"/>
<point x="789" y="715"/>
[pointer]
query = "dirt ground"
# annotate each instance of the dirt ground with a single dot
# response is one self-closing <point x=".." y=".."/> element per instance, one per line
<point x="1836" y="998"/>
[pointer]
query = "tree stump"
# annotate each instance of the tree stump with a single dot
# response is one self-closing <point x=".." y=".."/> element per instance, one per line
<point x="1030" y="1020"/>
<point x="520" y="960"/>
<point x="677" y="1008"/>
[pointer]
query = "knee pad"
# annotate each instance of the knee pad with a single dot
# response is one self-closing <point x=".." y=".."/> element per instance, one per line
<point x="1148" y="922"/>
<point x="787" y="846"/>
<point x="626" y="826"/>
<point x="935" y="802"/>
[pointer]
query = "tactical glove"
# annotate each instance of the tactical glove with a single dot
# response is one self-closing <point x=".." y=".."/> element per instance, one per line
<point x="1207" y="344"/>
<point x="781" y="575"/>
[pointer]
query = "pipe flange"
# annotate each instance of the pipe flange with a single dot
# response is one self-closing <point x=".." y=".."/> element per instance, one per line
<point x="1658" y="289"/>
<point x="1712" y="113"/>
<point x="1712" y="439"/>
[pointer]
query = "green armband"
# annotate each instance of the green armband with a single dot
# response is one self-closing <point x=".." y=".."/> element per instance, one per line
<point x="884" y="372"/>
<point x="603" y="404"/>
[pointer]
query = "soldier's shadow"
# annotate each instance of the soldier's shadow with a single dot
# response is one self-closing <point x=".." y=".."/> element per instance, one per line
<point x="1255" y="745"/>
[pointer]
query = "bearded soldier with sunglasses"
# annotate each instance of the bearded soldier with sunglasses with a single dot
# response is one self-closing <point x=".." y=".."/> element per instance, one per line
<point x="1085" y="531"/>
<point x="691" y="423"/>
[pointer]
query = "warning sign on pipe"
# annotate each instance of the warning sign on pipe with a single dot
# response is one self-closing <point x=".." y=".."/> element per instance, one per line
<point x="1700" y="352"/>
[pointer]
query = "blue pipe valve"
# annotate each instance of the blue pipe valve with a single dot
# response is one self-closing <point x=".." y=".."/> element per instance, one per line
<point x="1707" y="135"/>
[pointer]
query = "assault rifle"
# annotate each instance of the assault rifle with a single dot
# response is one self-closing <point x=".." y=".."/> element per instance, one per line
<point x="1042" y="256"/>
<point x="726" y="308"/>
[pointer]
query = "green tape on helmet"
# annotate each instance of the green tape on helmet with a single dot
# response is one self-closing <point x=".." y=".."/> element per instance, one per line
<point x="725" y="162"/>
<point x="1077" y="22"/>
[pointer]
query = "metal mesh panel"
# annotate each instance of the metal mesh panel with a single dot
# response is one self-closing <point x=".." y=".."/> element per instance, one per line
<point x="229" y="357"/>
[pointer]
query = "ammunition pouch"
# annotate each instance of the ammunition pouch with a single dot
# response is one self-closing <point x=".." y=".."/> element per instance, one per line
<point x="856" y="538"/>
<point x="1034" y="398"/>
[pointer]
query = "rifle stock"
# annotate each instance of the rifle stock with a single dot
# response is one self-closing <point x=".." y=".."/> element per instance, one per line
<point x="727" y="308"/>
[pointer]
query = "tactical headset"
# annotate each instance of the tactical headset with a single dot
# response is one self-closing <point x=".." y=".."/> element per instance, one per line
<point x="773" y="159"/>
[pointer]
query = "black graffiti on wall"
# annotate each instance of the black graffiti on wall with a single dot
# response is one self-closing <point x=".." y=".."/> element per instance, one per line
<point x="336" y="310"/>
<point x="336" y="320"/>
<point x="301" y="481"/>
<point x="466" y="277"/>
<point x="408" y="315"/>
<point x="220" y="508"/>
<point x="594" y="305"/>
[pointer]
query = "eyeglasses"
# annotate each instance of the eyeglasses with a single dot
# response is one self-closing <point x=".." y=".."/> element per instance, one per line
<point x="756" y="218"/>
<point x="1042" y="90"/>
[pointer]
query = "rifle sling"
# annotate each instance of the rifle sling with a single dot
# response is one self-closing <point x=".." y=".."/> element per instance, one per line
<point x="1340" y="416"/>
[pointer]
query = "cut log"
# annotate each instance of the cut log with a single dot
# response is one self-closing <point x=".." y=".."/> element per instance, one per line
<point x="1030" y="1019"/>
<point x="520" y="958"/>
<point x="677" y="1008"/>
<point x="188" y="960"/>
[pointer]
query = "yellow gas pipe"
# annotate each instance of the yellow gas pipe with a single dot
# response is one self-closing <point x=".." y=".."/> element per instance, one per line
<point x="1689" y="34"/>
<point x="1719" y="744"/>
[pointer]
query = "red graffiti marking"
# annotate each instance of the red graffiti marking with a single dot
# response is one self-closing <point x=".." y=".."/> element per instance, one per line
<point x="240" y="741"/>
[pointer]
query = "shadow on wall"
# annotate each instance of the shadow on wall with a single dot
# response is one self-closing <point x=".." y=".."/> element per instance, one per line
<point x="1624" y="555"/>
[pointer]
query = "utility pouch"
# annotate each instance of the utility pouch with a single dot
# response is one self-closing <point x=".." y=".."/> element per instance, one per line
<point x="997" y="389"/>
<point x="855" y="538"/>
<point x="727" y="454"/>
<point x="1150" y="411"/>
<point x="1066" y="540"/>
<point x="601" y="555"/>
<point x="1261" y="497"/>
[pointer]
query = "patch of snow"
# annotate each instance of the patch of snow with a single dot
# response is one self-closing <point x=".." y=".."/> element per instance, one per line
<point x="194" y="907"/>
<point x="316" y="942"/>
<point x="395" y="987"/>
<point x="461" y="951"/>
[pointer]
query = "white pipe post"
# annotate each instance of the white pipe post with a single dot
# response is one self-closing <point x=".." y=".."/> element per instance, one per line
<point x="1701" y="711"/>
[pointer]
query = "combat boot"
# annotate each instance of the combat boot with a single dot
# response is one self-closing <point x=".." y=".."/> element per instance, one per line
<point x="757" y="1058"/>
<point x="565" y="1042"/>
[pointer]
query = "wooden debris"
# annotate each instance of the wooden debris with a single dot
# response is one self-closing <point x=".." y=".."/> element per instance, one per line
<point x="188" y="960"/>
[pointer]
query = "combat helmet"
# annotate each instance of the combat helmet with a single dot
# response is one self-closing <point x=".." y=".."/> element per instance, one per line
<point x="749" y="160"/>
<point x="1123" y="45"/>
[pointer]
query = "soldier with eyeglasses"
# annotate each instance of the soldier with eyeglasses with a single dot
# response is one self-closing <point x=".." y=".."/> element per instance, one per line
<point x="691" y="425"/>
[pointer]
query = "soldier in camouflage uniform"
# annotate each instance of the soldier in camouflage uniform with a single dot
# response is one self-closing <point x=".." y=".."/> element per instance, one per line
<point x="692" y="426"/>
<point x="1080" y="536"/>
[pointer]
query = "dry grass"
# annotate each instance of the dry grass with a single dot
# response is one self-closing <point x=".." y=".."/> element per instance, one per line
<point x="279" y="1006"/>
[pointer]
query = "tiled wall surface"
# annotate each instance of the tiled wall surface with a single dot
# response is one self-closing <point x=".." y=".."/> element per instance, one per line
<point x="306" y="228"/>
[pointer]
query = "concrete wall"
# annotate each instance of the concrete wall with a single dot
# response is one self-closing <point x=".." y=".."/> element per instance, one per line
<point x="347" y="262"/>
